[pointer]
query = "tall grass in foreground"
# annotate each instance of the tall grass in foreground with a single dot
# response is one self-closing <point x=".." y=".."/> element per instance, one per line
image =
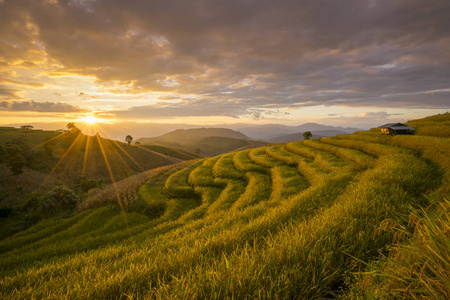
<point x="307" y="259"/>
<point x="417" y="269"/>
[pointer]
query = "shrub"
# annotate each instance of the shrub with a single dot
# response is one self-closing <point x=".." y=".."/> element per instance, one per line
<point x="59" y="199"/>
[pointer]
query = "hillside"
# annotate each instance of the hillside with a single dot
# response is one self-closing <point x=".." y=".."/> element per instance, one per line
<point x="79" y="162"/>
<point x="171" y="152"/>
<point x="360" y="215"/>
<point x="204" y="141"/>
<point x="299" y="136"/>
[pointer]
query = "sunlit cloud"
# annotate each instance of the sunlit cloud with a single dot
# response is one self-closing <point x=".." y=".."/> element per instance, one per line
<point x="38" y="106"/>
<point x="243" y="60"/>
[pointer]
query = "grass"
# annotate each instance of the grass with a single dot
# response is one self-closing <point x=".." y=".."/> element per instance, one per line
<point x="353" y="217"/>
<point x="177" y="184"/>
<point x="417" y="269"/>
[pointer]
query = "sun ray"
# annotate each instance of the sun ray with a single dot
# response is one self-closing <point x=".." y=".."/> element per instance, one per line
<point x="175" y="160"/>
<point x="47" y="141"/>
<point x="117" y="154"/>
<point x="108" y="166"/>
<point x="63" y="156"/>
<point x="86" y="151"/>
<point x="120" y="147"/>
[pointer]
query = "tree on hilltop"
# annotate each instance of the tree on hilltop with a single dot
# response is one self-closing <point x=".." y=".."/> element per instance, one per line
<point x="70" y="125"/>
<point x="72" y="133"/>
<point x="307" y="135"/>
<point x="129" y="139"/>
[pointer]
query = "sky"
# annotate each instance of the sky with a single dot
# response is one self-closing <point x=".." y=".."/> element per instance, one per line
<point x="358" y="63"/>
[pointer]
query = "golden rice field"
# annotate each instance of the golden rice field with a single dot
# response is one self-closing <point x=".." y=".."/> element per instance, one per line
<point x="360" y="216"/>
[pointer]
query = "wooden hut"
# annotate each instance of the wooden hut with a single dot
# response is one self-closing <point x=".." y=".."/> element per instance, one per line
<point x="396" y="128"/>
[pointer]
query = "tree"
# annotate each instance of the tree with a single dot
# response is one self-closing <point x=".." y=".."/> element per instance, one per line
<point x="307" y="135"/>
<point x="72" y="133"/>
<point x="59" y="199"/>
<point x="129" y="139"/>
<point x="70" y="125"/>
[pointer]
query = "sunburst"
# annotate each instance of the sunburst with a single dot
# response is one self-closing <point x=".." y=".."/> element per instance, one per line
<point x="90" y="120"/>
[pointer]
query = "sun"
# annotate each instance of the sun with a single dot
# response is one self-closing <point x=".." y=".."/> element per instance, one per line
<point x="90" y="120"/>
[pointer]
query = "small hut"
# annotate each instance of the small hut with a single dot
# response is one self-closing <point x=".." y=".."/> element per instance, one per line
<point x="26" y="127"/>
<point x="396" y="128"/>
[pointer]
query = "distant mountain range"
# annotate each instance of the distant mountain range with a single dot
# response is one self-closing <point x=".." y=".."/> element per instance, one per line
<point x="272" y="131"/>
<point x="265" y="132"/>
<point x="203" y="141"/>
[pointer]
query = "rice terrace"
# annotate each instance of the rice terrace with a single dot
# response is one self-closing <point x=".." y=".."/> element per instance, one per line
<point x="225" y="149"/>
<point x="357" y="216"/>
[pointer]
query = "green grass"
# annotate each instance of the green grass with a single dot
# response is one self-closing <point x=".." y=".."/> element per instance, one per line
<point x="177" y="184"/>
<point x="360" y="216"/>
<point x="172" y="152"/>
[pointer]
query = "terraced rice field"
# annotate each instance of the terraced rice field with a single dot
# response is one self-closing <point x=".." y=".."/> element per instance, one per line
<point x="298" y="220"/>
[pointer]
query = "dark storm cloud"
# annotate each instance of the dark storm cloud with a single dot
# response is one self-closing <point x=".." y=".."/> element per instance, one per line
<point x="37" y="106"/>
<point x="245" y="54"/>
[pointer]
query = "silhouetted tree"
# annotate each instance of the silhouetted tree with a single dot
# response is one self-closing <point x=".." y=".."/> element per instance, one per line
<point x="70" y="125"/>
<point x="129" y="139"/>
<point x="307" y="135"/>
<point x="72" y="134"/>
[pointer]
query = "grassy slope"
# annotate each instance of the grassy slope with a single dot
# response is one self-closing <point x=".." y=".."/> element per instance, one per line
<point x="65" y="164"/>
<point x="172" y="152"/>
<point x="336" y="217"/>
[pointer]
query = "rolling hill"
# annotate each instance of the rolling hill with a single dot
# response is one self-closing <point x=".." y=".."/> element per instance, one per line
<point x="299" y="136"/>
<point x="204" y="141"/>
<point x="79" y="162"/>
<point x="353" y="216"/>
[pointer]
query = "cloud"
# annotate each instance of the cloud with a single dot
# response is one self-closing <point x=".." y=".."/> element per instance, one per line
<point x="9" y="94"/>
<point x="37" y="106"/>
<point x="367" y="119"/>
<point x="249" y="56"/>
<point x="84" y="95"/>
<point x="182" y="109"/>
<point x="374" y="115"/>
<point x="15" y="82"/>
